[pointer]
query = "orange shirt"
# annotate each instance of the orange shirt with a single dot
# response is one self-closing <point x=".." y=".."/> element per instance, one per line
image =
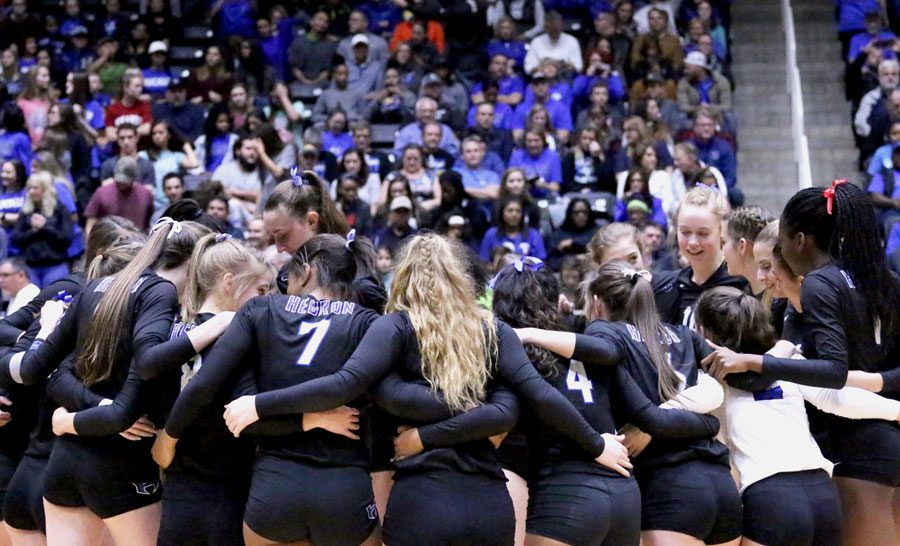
<point x="435" y="31"/>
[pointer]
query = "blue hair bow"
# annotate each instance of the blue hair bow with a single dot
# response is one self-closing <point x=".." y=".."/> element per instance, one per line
<point x="527" y="262"/>
<point x="296" y="177"/>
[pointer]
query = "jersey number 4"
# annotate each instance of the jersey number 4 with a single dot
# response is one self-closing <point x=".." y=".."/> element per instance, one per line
<point x="318" y="331"/>
<point x="577" y="380"/>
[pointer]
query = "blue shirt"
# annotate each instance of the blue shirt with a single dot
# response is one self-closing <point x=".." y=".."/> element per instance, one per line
<point x="528" y="243"/>
<point x="560" y="116"/>
<point x="703" y="88"/>
<point x="852" y="13"/>
<point x="546" y="165"/>
<point x="337" y="144"/>
<point x="893" y="242"/>
<point x="860" y="41"/>
<point x="514" y="50"/>
<point x="383" y="15"/>
<point x="236" y="19"/>
<point x="156" y="81"/>
<point x="719" y="154"/>
<point x="559" y="92"/>
<point x="581" y="88"/>
<point x="478" y="179"/>
<point x="503" y="116"/>
<point x="506" y="86"/>
<point x="16" y="146"/>
<point x="877" y="185"/>
<point x="881" y="159"/>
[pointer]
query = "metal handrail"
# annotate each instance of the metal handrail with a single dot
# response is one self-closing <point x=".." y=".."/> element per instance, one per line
<point x="795" y="90"/>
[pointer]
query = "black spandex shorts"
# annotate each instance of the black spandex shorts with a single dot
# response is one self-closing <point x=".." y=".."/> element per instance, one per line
<point x="384" y="428"/>
<point x="107" y="481"/>
<point x="23" y="507"/>
<point x="7" y="469"/>
<point x="695" y="498"/>
<point x="793" y="509"/>
<point x="867" y="450"/>
<point x="584" y="508"/>
<point x="444" y="508"/>
<point x="198" y="511"/>
<point x="291" y="501"/>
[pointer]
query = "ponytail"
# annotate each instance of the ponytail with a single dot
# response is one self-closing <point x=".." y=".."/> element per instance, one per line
<point x="735" y="320"/>
<point x="628" y="296"/>
<point x="168" y="247"/>
<point x="334" y="259"/>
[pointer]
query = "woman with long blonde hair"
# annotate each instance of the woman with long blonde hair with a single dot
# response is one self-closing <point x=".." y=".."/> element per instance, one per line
<point x="44" y="230"/>
<point x="435" y="332"/>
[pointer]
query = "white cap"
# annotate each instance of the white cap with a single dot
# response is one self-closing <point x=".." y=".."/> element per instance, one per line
<point x="157" y="47"/>
<point x="401" y="202"/>
<point x="456" y="220"/>
<point x="359" y="39"/>
<point x="696" y="58"/>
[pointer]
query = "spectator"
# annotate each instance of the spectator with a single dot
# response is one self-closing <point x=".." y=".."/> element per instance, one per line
<point x="642" y="15"/>
<point x="19" y="23"/>
<point x="688" y="169"/>
<point x="257" y="237"/>
<point x="159" y="22"/>
<point x="525" y="16"/>
<point x="398" y="228"/>
<point x="393" y="103"/>
<point x="314" y="158"/>
<point x="436" y="158"/>
<point x="411" y="68"/>
<point x="310" y="55"/>
<point x="599" y="72"/>
<point x="43" y="232"/>
<point x="637" y="204"/>
<point x="77" y="55"/>
<point x="420" y="44"/>
<point x="884" y="113"/>
<point x="377" y="162"/>
<point x="656" y="180"/>
<point x="699" y="40"/>
<point x="339" y="97"/>
<point x="336" y="138"/>
<point x="599" y="100"/>
<point x="243" y="179"/>
<point x="717" y="153"/>
<point x="68" y="139"/>
<point x="112" y="62"/>
<point x="276" y="156"/>
<point x="574" y="234"/>
<point x="168" y="153"/>
<point x="274" y="42"/>
<point x="157" y="76"/>
<point x="875" y="32"/>
<point x="114" y="22"/>
<point x="127" y="139"/>
<point x="512" y="233"/>
<point x="364" y="70"/>
<point x="885" y="192"/>
<point x="383" y="16"/>
<point x="862" y="75"/>
<point x="496" y="138"/>
<point x="418" y="31"/>
<point x="397" y="187"/>
<point x="454" y="91"/>
<point x="657" y="257"/>
<point x="667" y="45"/>
<point x="506" y="42"/>
<point x="129" y="109"/>
<point x="173" y="188"/>
<point x="510" y="87"/>
<point x="881" y="159"/>
<point x="888" y="78"/>
<point x="368" y="183"/>
<point x="377" y="47"/>
<point x="702" y="88"/>
<point x="426" y="190"/>
<point x="88" y="110"/>
<point x="287" y="116"/>
<point x="35" y="101"/>
<point x="16" y="284"/>
<point x="560" y="116"/>
<point x="184" y="117"/>
<point x="12" y="177"/>
<point x="14" y="140"/>
<point x="559" y="88"/>
<point x="357" y="212"/>
<point x="426" y="110"/>
<point x="214" y="147"/>
<point x="539" y="118"/>
<point x="235" y="18"/>
<point x="211" y="81"/>
<point x="218" y="208"/>
<point x="124" y="198"/>
<point x="584" y="167"/>
<point x="666" y="109"/>
<point x="479" y="183"/>
<point x="239" y="106"/>
<point x="10" y="72"/>
<point x="620" y="44"/>
<point x="554" y="44"/>
<point x="515" y="182"/>
<point x="455" y="203"/>
<point x="540" y="163"/>
<point x="447" y="112"/>
<point x="501" y="114"/>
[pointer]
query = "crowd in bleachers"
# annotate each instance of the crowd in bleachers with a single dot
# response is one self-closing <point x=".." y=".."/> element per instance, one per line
<point x="483" y="118"/>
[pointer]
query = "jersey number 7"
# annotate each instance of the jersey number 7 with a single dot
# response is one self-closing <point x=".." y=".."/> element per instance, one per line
<point x="318" y="331"/>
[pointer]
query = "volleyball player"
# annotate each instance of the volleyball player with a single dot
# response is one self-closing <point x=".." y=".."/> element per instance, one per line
<point x="617" y="242"/>
<point x="455" y="346"/>
<point x="850" y="303"/>
<point x="698" y="229"/>
<point x="785" y="480"/>
<point x="106" y="481"/>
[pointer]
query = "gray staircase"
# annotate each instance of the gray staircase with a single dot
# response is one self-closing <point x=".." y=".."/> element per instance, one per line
<point x="767" y="173"/>
<point x="832" y="152"/>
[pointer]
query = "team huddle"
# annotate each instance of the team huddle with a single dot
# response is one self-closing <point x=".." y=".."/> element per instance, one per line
<point x="181" y="391"/>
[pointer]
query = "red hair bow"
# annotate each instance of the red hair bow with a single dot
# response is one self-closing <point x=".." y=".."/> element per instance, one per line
<point x="828" y="194"/>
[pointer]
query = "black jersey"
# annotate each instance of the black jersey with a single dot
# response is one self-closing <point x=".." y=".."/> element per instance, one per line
<point x="676" y="293"/>
<point x="284" y="341"/>
<point x="837" y="335"/>
<point x="151" y="309"/>
<point x="12" y="325"/>
<point x="685" y="348"/>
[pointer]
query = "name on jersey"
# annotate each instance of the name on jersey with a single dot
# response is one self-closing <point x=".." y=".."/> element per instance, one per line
<point x="313" y="307"/>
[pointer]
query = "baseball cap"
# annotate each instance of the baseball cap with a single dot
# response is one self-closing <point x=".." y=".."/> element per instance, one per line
<point x="401" y="202"/>
<point x="653" y="77"/>
<point x="539" y="76"/>
<point x="695" y="58"/>
<point x="126" y="170"/>
<point x="456" y="220"/>
<point x="359" y="39"/>
<point x="157" y="47"/>
<point x="176" y="84"/>
<point x="78" y="30"/>
<point x="432" y="79"/>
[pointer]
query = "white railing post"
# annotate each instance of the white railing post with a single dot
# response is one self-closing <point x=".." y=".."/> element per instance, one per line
<point x="795" y="90"/>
